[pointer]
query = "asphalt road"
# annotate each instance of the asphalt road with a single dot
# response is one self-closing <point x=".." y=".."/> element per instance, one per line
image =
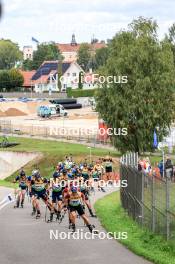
<point x="23" y="239"/>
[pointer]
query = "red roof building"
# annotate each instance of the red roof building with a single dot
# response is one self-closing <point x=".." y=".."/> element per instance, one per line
<point x="70" y="51"/>
<point x="27" y="75"/>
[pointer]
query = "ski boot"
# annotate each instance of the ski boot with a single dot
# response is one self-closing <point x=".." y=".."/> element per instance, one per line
<point x="91" y="213"/>
<point x="92" y="229"/>
<point x="51" y="218"/>
<point x="33" y="212"/>
<point x="17" y="204"/>
<point x="58" y="214"/>
<point x="22" y="204"/>
<point x="73" y="228"/>
<point x="38" y="215"/>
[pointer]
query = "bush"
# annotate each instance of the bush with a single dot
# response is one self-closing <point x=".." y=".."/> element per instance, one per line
<point x="80" y="93"/>
<point x="10" y="80"/>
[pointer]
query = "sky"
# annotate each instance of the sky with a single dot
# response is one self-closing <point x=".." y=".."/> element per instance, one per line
<point x="56" y="20"/>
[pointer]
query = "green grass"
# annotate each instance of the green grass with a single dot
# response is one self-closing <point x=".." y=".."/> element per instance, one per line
<point x="52" y="153"/>
<point x="8" y="184"/>
<point x="142" y="242"/>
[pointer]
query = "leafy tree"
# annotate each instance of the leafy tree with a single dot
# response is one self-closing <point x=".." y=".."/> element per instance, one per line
<point x="9" y="54"/>
<point x="171" y="34"/>
<point x="171" y="38"/>
<point x="10" y="79"/>
<point x="145" y="102"/>
<point x="84" y="56"/>
<point x="16" y="79"/>
<point x="27" y="65"/>
<point x="45" y="51"/>
<point x="4" y="79"/>
<point x="101" y="56"/>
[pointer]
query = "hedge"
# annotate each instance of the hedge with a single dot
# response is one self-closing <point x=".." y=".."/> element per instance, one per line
<point x="80" y="93"/>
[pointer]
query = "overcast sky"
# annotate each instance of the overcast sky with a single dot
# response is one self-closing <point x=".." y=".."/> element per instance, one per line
<point x="57" y="19"/>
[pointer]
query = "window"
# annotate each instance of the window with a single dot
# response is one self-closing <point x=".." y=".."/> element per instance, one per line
<point x="68" y="74"/>
<point x="74" y="74"/>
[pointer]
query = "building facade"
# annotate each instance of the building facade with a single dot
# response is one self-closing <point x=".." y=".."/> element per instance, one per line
<point x="28" y="52"/>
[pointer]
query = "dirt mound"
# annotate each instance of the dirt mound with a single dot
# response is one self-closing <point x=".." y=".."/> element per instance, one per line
<point x="32" y="106"/>
<point x="17" y="108"/>
<point x="14" y="112"/>
<point x="2" y="113"/>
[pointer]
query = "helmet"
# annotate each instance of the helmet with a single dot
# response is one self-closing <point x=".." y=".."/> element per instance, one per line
<point x="56" y="174"/>
<point x="35" y="172"/>
<point x="64" y="172"/>
<point x="22" y="173"/>
<point x="74" y="189"/>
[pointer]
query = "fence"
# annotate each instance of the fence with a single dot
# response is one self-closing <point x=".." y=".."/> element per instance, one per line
<point x="64" y="133"/>
<point x="29" y="94"/>
<point x="149" y="200"/>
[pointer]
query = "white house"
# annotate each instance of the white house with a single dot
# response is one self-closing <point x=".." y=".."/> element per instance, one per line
<point x="46" y="77"/>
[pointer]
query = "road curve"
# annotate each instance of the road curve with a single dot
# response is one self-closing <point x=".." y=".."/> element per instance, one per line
<point x="23" y="239"/>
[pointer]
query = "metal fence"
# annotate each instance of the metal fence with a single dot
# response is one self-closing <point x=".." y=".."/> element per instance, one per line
<point x="64" y="133"/>
<point x="149" y="200"/>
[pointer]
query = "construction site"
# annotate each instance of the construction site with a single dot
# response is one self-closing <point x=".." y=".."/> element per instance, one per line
<point x="17" y="117"/>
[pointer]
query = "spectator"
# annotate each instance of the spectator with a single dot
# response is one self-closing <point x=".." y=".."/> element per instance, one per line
<point x="160" y="166"/>
<point x="169" y="168"/>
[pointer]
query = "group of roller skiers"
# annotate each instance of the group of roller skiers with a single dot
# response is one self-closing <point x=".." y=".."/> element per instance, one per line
<point x="67" y="191"/>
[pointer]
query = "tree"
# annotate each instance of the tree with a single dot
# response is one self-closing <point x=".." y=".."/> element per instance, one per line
<point x="4" y="79"/>
<point x="10" y="79"/>
<point x="171" y="34"/>
<point x="45" y="51"/>
<point x="145" y="103"/>
<point x="27" y="65"/>
<point x="9" y="54"/>
<point x="101" y="56"/>
<point x="171" y="38"/>
<point x="84" y="56"/>
<point x="16" y="79"/>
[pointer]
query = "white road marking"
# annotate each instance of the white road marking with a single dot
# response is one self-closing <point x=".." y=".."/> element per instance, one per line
<point x="7" y="200"/>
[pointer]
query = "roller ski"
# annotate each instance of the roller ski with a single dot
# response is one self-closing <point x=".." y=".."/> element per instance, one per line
<point x="38" y="215"/>
<point x="92" y="229"/>
<point x="58" y="215"/>
<point x="17" y="204"/>
<point x="73" y="228"/>
<point x="51" y="218"/>
<point x="91" y="213"/>
<point x="33" y="212"/>
<point x="61" y="217"/>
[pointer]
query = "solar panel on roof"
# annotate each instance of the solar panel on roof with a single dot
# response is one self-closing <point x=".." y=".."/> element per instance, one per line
<point x="46" y="68"/>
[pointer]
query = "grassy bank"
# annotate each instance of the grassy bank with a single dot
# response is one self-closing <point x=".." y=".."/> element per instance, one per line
<point x="140" y="241"/>
<point x="8" y="184"/>
<point x="52" y="152"/>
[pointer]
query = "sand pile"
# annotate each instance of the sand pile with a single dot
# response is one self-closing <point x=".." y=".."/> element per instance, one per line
<point x="32" y="106"/>
<point x="2" y="113"/>
<point x="14" y="112"/>
<point x="19" y="108"/>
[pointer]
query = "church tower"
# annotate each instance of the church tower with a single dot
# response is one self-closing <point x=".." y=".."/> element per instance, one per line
<point x="73" y="41"/>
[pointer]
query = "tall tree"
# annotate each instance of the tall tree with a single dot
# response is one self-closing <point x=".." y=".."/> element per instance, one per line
<point x="10" y="79"/>
<point x="27" y="65"/>
<point x="9" y="54"/>
<point x="171" y="38"/>
<point x="45" y="51"/>
<point x="145" y="102"/>
<point x="101" y="56"/>
<point x="84" y="56"/>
